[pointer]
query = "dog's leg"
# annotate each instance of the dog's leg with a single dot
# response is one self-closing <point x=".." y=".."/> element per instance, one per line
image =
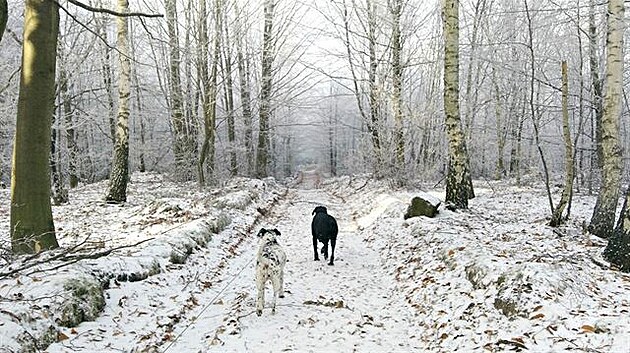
<point x="260" y="302"/>
<point x="325" y="249"/>
<point x="333" y="241"/>
<point x="315" y="248"/>
<point x="281" y="284"/>
<point x="277" y="289"/>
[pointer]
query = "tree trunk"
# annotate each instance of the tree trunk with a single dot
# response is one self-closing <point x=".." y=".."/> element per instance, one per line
<point x="32" y="228"/>
<point x="535" y="121"/>
<point x="59" y="192"/>
<point x="556" y="217"/>
<point x="597" y="84"/>
<point x="603" y="219"/>
<point x="106" y="69"/>
<point x="243" y="75"/>
<point x="458" y="174"/>
<point x="119" y="174"/>
<point x="139" y="108"/>
<point x="4" y="16"/>
<point x="262" y="157"/>
<point x="181" y="149"/>
<point x="229" y="99"/>
<point x="374" y="122"/>
<point x="210" y="103"/>
<point x="397" y="78"/>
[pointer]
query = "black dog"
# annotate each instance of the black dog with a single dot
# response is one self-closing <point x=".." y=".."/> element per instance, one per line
<point x="324" y="228"/>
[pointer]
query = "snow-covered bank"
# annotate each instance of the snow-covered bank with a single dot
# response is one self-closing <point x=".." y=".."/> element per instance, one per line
<point x="42" y="303"/>
<point x="496" y="277"/>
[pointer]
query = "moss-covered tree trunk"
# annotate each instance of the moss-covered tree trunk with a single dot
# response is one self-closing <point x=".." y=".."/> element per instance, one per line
<point x="458" y="185"/>
<point x="119" y="175"/>
<point x="32" y="228"/>
<point x="603" y="220"/>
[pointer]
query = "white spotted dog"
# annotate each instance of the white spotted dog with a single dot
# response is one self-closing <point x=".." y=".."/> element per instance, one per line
<point x="270" y="262"/>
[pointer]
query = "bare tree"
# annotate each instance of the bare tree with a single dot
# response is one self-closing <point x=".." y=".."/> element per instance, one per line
<point x="263" y="153"/>
<point x="243" y="66"/>
<point x="603" y="219"/>
<point x="597" y="92"/>
<point x="183" y="149"/>
<point x="569" y="164"/>
<point x="32" y="228"/>
<point x="229" y="95"/>
<point x="210" y="102"/>
<point x="395" y="8"/>
<point x="119" y="174"/>
<point x="458" y="174"/>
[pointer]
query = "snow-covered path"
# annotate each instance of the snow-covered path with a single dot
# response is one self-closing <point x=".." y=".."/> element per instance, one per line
<point x="208" y="303"/>
<point x="347" y="307"/>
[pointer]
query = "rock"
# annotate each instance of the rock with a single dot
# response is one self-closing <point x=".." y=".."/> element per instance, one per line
<point x="424" y="205"/>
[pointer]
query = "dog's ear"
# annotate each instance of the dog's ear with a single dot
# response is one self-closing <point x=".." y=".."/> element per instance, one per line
<point x="276" y="231"/>
<point x="261" y="232"/>
<point x="315" y="210"/>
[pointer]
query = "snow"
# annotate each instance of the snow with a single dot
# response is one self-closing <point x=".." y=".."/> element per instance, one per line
<point x="492" y="278"/>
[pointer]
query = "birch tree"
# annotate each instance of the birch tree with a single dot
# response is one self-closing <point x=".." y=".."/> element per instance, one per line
<point x="458" y="174"/>
<point x="32" y="229"/>
<point x="557" y="213"/>
<point x="119" y="174"/>
<point x="603" y="219"/>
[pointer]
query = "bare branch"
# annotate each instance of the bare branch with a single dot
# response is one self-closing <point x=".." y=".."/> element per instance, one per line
<point x="107" y="11"/>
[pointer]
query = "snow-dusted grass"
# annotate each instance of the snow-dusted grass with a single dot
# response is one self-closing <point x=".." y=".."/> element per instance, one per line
<point x="493" y="278"/>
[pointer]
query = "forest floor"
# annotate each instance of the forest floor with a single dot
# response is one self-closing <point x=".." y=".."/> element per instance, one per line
<point x="493" y="278"/>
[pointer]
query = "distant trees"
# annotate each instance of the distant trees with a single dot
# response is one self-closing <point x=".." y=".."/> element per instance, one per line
<point x="32" y="228"/>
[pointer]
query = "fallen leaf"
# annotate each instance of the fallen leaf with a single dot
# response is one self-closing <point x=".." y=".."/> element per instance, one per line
<point x="61" y="336"/>
<point x="537" y="316"/>
<point x="588" y="328"/>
